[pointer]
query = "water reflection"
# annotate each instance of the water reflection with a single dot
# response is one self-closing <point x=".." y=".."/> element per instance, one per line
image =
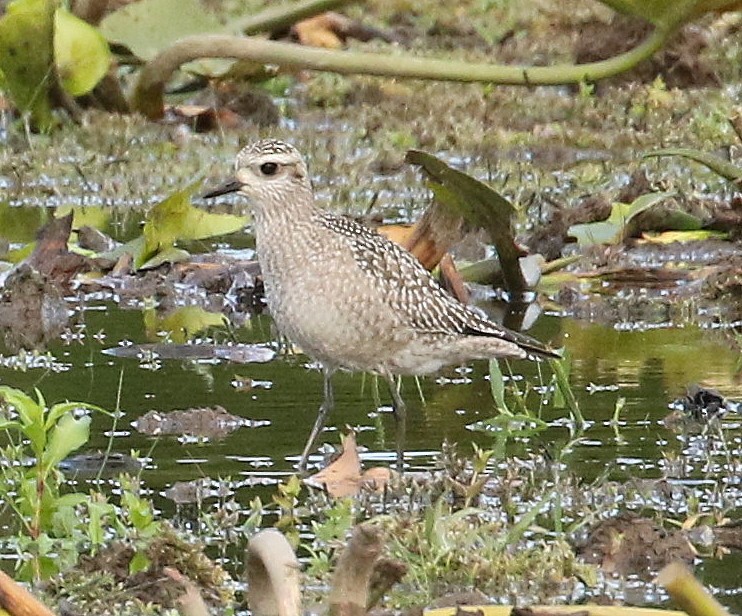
<point x="648" y="369"/>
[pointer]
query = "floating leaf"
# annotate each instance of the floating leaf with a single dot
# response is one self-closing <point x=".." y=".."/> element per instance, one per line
<point x="718" y="165"/>
<point x="183" y="323"/>
<point x="611" y="231"/>
<point x="80" y="52"/>
<point x="27" y="56"/>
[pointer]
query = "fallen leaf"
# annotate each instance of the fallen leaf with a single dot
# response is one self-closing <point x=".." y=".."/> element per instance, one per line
<point x="210" y="422"/>
<point x="612" y="230"/>
<point x="149" y="26"/>
<point x="343" y="476"/>
<point x="182" y="323"/>
<point x="51" y="257"/>
<point x="175" y="219"/>
<point x="668" y="237"/>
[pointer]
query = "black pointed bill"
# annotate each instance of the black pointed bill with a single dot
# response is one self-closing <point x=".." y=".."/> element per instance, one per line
<point x="230" y="186"/>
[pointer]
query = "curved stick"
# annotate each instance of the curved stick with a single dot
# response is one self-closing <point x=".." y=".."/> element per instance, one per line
<point x="272" y="573"/>
<point x="148" y="96"/>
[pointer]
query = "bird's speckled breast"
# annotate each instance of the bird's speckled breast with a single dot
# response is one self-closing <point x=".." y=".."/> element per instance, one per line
<point x="321" y="299"/>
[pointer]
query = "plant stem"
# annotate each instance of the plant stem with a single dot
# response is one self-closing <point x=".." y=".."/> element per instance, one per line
<point x="148" y="96"/>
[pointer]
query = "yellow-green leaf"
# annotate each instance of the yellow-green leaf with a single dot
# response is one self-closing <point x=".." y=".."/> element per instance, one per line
<point x="182" y="324"/>
<point x="668" y="237"/>
<point x="611" y="231"/>
<point x="175" y="219"/>
<point x="81" y="53"/>
<point x="27" y="55"/>
<point x="664" y="13"/>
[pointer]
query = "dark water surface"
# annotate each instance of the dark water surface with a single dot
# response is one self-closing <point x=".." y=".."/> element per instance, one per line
<point x="648" y="368"/>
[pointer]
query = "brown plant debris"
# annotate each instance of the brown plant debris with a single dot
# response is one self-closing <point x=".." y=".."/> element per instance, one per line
<point x="629" y="544"/>
<point x="343" y="477"/>
<point x="680" y="63"/>
<point x="210" y="422"/>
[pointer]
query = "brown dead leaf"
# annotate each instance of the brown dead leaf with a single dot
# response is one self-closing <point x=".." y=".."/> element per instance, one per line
<point x="320" y="31"/>
<point x="429" y="239"/>
<point x="397" y="233"/>
<point x="331" y="30"/>
<point x="376" y="479"/>
<point x="343" y="476"/>
<point x="211" y="422"/>
<point x="452" y="280"/>
<point x="51" y="256"/>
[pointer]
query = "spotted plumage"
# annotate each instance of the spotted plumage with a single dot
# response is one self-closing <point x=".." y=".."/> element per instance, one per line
<point x="349" y="297"/>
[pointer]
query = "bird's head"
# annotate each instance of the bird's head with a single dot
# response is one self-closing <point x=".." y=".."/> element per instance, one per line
<point x="266" y="171"/>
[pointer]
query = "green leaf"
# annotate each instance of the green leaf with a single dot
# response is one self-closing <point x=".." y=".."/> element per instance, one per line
<point x="139" y="562"/>
<point x="31" y="416"/>
<point x="612" y="230"/>
<point x="149" y="26"/>
<point x="516" y="532"/>
<point x="176" y="219"/>
<point x="138" y="510"/>
<point x="135" y="248"/>
<point x="68" y="435"/>
<point x="478" y="204"/>
<point x="510" y="425"/>
<point x="97" y="513"/>
<point x="62" y="408"/>
<point x="718" y="165"/>
<point x="167" y="255"/>
<point x="81" y="53"/>
<point x="561" y="368"/>
<point x="27" y="56"/>
<point x="183" y="323"/>
<point x="497" y="386"/>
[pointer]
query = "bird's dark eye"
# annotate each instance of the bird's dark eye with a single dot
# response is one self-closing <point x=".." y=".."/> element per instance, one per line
<point x="269" y="168"/>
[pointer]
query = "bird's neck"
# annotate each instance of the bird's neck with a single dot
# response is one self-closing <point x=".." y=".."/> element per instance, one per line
<point x="283" y="210"/>
<point x="285" y="232"/>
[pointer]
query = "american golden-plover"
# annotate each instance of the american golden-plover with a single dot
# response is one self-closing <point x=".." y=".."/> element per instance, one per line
<point x="349" y="297"/>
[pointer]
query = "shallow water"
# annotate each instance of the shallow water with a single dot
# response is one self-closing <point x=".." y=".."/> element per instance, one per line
<point x="647" y="361"/>
<point x="647" y="368"/>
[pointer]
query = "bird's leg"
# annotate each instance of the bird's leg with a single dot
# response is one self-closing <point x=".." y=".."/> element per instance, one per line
<point x="400" y="416"/>
<point x="319" y="423"/>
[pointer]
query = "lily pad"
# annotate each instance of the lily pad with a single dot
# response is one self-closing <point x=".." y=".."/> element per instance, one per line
<point x="81" y="53"/>
<point x="612" y="230"/>
<point x="27" y="56"/>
